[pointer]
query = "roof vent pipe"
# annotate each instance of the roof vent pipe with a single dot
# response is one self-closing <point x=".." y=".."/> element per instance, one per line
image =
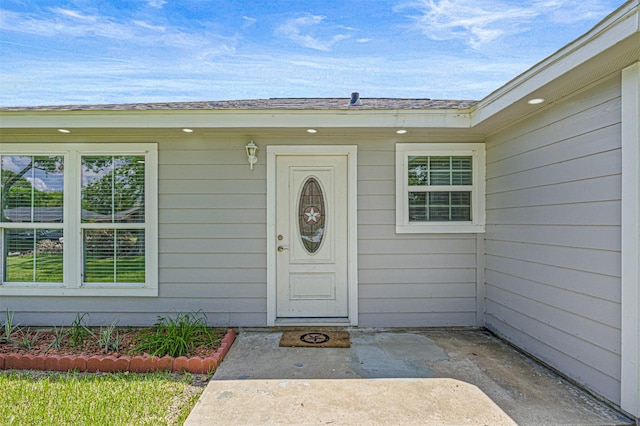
<point x="355" y="99"/>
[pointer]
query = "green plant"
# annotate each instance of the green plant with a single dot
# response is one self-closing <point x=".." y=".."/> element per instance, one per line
<point x="176" y="336"/>
<point x="8" y="327"/>
<point x="108" y="338"/>
<point x="78" y="331"/>
<point x="58" y="337"/>
<point x="26" y="340"/>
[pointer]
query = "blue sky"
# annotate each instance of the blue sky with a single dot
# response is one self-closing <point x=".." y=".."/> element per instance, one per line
<point x="81" y="51"/>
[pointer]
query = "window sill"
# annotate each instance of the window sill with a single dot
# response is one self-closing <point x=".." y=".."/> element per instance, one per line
<point x="436" y="228"/>
<point x="31" y="290"/>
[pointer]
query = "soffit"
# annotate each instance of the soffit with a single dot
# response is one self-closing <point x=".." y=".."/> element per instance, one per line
<point x="273" y="134"/>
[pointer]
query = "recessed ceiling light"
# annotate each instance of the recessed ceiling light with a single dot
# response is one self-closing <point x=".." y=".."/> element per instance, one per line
<point x="64" y="131"/>
<point x="535" y="101"/>
<point x="312" y="131"/>
<point x="187" y="130"/>
<point x="401" y="131"/>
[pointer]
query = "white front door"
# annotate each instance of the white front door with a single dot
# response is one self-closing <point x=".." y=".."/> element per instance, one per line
<point x="311" y="228"/>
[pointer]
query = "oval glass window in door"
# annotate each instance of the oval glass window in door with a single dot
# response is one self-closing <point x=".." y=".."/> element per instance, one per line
<point x="311" y="215"/>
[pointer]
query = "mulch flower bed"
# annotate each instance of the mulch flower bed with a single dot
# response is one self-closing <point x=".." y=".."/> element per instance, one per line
<point x="35" y="350"/>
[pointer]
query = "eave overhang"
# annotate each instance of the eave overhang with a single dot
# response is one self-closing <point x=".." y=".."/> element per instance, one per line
<point x="602" y="52"/>
<point x="418" y="123"/>
<point x="230" y="119"/>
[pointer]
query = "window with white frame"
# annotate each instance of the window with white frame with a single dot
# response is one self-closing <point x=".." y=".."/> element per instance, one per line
<point x="78" y="219"/>
<point x="440" y="187"/>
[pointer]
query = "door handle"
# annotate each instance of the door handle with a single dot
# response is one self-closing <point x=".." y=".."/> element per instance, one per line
<point x="282" y="248"/>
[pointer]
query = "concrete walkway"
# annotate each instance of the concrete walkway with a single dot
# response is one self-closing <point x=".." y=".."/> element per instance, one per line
<point x="391" y="377"/>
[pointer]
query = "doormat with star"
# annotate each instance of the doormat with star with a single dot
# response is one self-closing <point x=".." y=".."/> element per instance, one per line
<point x="315" y="339"/>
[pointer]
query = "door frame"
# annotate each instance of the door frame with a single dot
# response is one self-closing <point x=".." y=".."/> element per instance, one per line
<point x="351" y="151"/>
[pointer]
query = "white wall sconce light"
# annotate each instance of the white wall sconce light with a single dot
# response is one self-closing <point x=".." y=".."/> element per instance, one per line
<point x="252" y="151"/>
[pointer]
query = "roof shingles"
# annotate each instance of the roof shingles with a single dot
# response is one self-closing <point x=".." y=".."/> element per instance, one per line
<point x="266" y="104"/>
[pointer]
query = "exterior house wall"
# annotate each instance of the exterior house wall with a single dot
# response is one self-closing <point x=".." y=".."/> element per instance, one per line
<point x="212" y="244"/>
<point x="553" y="236"/>
<point x="407" y="279"/>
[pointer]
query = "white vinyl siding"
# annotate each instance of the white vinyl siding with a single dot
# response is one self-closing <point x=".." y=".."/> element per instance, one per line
<point x="407" y="280"/>
<point x="553" y="236"/>
<point x="213" y="230"/>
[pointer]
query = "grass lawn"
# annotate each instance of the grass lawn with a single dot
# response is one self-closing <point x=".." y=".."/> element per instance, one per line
<point x="42" y="398"/>
<point x="49" y="269"/>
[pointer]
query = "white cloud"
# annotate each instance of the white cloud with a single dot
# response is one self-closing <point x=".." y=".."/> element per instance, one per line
<point x="148" y="26"/>
<point x="90" y="174"/>
<point x="17" y="164"/>
<point x="248" y="21"/>
<point x="38" y="184"/>
<point x="478" y="22"/>
<point x="137" y="33"/>
<point x="26" y="24"/>
<point x="158" y="4"/>
<point x="297" y="30"/>
<point x="14" y="164"/>
<point x="73" y="14"/>
<point x="65" y="22"/>
<point x="572" y="11"/>
<point x="475" y="22"/>
<point x="234" y="77"/>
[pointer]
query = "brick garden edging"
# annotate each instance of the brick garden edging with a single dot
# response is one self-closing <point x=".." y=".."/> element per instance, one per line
<point x="108" y="364"/>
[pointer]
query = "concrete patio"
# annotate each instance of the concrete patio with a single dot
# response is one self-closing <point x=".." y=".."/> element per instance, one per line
<point x="391" y="376"/>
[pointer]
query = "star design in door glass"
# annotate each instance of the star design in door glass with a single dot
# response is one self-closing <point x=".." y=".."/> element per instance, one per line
<point x="312" y="214"/>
